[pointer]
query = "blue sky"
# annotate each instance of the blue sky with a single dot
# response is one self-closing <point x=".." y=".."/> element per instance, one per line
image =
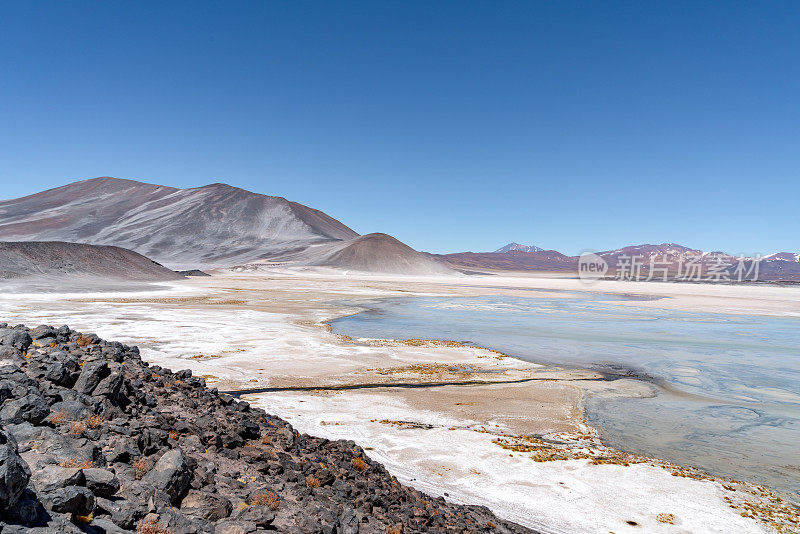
<point x="450" y="125"/>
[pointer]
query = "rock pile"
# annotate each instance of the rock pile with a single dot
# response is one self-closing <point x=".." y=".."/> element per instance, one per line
<point x="93" y="439"/>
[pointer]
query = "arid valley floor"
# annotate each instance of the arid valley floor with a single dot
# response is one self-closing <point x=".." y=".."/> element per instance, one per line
<point x="465" y="422"/>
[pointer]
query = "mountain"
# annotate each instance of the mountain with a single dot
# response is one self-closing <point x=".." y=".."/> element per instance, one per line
<point x="59" y="261"/>
<point x="791" y="257"/>
<point x="214" y="225"/>
<point x="674" y="258"/>
<point x="380" y="253"/>
<point x="375" y="253"/>
<point x="513" y="260"/>
<point x="516" y="246"/>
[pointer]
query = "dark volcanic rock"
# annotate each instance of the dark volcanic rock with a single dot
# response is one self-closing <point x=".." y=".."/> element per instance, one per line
<point x="14" y="472"/>
<point x="171" y="475"/>
<point x="31" y="408"/>
<point x="129" y="446"/>
<point x="70" y="500"/>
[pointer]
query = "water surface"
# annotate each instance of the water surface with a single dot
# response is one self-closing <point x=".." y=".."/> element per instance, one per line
<point x="735" y="408"/>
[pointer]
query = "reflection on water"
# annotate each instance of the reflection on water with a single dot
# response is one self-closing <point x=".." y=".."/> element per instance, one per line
<point x="742" y="419"/>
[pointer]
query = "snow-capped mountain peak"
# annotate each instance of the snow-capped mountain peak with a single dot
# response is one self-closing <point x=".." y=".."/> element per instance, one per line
<point x="519" y="247"/>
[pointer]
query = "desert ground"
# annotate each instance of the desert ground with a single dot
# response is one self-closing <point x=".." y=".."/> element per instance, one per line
<point x="465" y="422"/>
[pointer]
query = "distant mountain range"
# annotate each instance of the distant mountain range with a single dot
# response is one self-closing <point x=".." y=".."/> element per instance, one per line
<point x="516" y="246"/>
<point x="669" y="257"/>
<point x="216" y="225"/>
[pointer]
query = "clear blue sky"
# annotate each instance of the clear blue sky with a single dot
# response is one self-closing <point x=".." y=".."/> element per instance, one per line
<point x="450" y="125"/>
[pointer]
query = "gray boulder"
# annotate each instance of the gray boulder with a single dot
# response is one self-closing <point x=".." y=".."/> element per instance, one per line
<point x="32" y="408"/>
<point x="70" y="500"/>
<point x="261" y="516"/>
<point x="171" y="474"/>
<point x="349" y="522"/>
<point x="14" y="472"/>
<point x="109" y="386"/>
<point x="102" y="482"/>
<point x="53" y="477"/>
<point x="234" y="527"/>
<point x="43" y="331"/>
<point x="19" y="339"/>
<point x="10" y="355"/>
<point x="91" y="375"/>
<point x="206" y="505"/>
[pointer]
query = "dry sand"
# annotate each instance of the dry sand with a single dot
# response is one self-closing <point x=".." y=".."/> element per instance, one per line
<point x="442" y="417"/>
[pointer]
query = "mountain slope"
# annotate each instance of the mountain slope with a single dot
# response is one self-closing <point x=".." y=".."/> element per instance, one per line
<point x="513" y="260"/>
<point x="206" y="226"/>
<point x="375" y="253"/>
<point x="68" y="261"/>
<point x="516" y="246"/>
<point x="782" y="266"/>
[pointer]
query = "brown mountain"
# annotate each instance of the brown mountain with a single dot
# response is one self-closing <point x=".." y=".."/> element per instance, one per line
<point x="674" y="258"/>
<point x="512" y="260"/>
<point x="208" y="226"/>
<point x="59" y="261"/>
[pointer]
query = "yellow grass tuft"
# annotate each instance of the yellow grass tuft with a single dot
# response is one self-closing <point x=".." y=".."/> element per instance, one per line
<point x="93" y="421"/>
<point x="77" y="428"/>
<point x="359" y="464"/>
<point x="669" y="519"/>
<point x="77" y="464"/>
<point x="266" y="498"/>
<point x="141" y="467"/>
<point x="151" y="526"/>
<point x="60" y="418"/>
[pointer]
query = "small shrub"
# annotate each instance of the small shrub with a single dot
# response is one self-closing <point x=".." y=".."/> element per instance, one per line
<point x="266" y="498"/>
<point x="359" y="463"/>
<point x="397" y="529"/>
<point x="77" y="464"/>
<point x="83" y="341"/>
<point x="93" y="421"/>
<point x="173" y="434"/>
<point x="60" y="418"/>
<point x="141" y="467"/>
<point x="312" y="482"/>
<point x="266" y="440"/>
<point x="77" y="428"/>
<point x="151" y="526"/>
<point x="669" y="519"/>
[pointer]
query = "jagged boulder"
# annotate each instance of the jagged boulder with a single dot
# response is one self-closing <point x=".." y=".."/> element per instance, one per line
<point x="14" y="472"/>
<point x="171" y="474"/>
<point x="17" y="338"/>
<point x="70" y="500"/>
<point x="31" y="408"/>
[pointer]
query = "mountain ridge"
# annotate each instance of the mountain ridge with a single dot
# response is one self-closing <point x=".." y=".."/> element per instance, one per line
<point x="212" y="225"/>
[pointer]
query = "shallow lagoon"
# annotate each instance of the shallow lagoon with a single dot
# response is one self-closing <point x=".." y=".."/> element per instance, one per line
<point x="727" y="386"/>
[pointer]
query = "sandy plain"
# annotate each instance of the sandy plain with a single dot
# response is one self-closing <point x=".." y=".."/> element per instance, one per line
<point x="465" y="422"/>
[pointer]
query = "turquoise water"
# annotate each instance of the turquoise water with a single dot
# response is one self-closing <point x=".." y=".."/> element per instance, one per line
<point x="727" y="386"/>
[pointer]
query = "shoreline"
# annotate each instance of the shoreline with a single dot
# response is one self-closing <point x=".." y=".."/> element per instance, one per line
<point x="524" y="443"/>
<point x="286" y="310"/>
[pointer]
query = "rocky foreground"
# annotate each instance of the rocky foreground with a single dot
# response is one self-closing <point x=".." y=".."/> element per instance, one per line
<point x="93" y="439"/>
